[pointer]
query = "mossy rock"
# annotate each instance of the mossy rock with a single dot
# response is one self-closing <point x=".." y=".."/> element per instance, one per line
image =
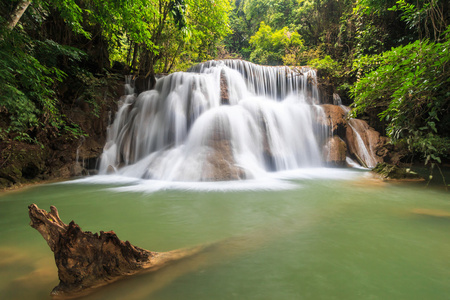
<point x="24" y="164"/>
<point x="4" y="183"/>
<point x="388" y="171"/>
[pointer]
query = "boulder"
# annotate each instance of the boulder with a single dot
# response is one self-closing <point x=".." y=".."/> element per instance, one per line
<point x="224" y="96"/>
<point x="365" y="143"/>
<point x="334" y="152"/>
<point x="335" y="117"/>
<point x="392" y="172"/>
<point x="21" y="163"/>
<point x="220" y="164"/>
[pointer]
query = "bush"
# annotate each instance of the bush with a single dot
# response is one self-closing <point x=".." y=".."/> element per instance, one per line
<point x="29" y="74"/>
<point x="410" y="88"/>
<point x="272" y="48"/>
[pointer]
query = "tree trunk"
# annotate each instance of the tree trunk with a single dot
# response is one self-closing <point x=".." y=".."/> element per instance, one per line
<point x="17" y="13"/>
<point x="87" y="261"/>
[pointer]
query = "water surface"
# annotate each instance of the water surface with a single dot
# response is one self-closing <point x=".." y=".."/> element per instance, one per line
<point x="330" y="234"/>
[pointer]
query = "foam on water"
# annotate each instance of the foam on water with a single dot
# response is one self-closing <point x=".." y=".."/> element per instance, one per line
<point x="277" y="181"/>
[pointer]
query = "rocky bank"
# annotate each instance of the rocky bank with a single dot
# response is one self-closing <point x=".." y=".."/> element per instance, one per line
<point x="60" y="156"/>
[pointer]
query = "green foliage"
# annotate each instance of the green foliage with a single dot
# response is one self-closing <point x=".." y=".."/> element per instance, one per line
<point x="208" y="24"/>
<point x="275" y="13"/>
<point x="237" y="41"/>
<point x="69" y="10"/>
<point x="273" y="47"/>
<point x="424" y="16"/>
<point x="410" y="86"/>
<point x="26" y="93"/>
<point x="70" y="42"/>
<point x="365" y="64"/>
<point x="394" y="172"/>
<point x="326" y="64"/>
<point x="30" y="72"/>
<point x="430" y="146"/>
<point x="349" y="42"/>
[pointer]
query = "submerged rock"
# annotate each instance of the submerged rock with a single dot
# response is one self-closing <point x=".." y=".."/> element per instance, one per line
<point x="431" y="212"/>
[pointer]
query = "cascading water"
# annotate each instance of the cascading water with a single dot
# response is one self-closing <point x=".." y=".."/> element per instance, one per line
<point x="221" y="120"/>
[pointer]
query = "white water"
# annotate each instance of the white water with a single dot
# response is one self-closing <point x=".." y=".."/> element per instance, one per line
<point x="184" y="131"/>
<point x="363" y="151"/>
<point x="279" y="181"/>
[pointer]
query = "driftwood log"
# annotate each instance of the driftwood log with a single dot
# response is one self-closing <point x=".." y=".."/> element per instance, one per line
<point x="86" y="261"/>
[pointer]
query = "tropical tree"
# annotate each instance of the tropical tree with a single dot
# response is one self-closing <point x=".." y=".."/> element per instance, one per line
<point x="272" y="48"/>
<point x="60" y="51"/>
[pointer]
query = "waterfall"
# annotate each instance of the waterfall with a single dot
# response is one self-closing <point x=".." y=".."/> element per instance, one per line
<point x="363" y="150"/>
<point x="221" y="120"/>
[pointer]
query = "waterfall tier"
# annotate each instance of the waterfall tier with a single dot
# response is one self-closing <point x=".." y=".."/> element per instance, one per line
<point x="221" y="120"/>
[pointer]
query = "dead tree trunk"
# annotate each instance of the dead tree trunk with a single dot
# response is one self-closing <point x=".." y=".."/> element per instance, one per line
<point x="17" y="13"/>
<point x="86" y="261"/>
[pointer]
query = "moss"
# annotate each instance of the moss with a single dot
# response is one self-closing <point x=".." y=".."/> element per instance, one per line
<point x="21" y="163"/>
<point x="4" y="183"/>
<point x="388" y="171"/>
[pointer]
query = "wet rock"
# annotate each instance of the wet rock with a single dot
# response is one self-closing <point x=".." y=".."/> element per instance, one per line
<point x="388" y="171"/>
<point x="30" y="171"/>
<point x="224" y="97"/>
<point x="142" y="83"/>
<point x="335" y="117"/>
<point x="326" y="88"/>
<point x="76" y="170"/>
<point x="364" y="143"/>
<point x="334" y="152"/>
<point x="220" y="163"/>
<point x="21" y="163"/>
<point x="63" y="172"/>
<point x="111" y="170"/>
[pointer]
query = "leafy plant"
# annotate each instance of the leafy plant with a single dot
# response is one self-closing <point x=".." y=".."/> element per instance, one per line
<point x="410" y="87"/>
<point x="326" y="64"/>
<point x="272" y="47"/>
<point x="29" y="73"/>
<point x="425" y="16"/>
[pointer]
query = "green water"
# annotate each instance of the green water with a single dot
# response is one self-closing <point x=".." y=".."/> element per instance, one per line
<point x="323" y="239"/>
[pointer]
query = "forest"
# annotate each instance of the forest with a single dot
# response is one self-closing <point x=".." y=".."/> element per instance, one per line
<point x="389" y="60"/>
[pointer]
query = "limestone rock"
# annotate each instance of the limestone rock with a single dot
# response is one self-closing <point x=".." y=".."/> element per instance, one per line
<point x="224" y="97"/>
<point x="220" y="164"/>
<point x="389" y="172"/>
<point x="364" y="143"/>
<point x="335" y="118"/>
<point x="334" y="152"/>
